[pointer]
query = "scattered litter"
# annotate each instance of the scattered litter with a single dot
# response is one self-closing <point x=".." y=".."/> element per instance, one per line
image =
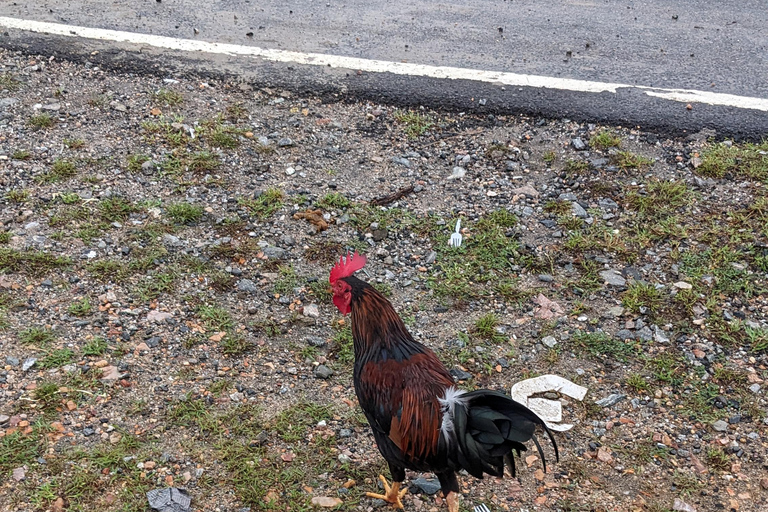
<point x="551" y="411"/>
<point x="681" y="506"/>
<point x="28" y="363"/>
<point x="326" y="502"/>
<point x="456" y="238"/>
<point x="170" y="499"/>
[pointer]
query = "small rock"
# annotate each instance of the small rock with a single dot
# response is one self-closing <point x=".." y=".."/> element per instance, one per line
<point x="461" y="374"/>
<point x="401" y="161"/>
<point x="549" y="341"/>
<point x="285" y="142"/>
<point x="28" y="363"/>
<point x="158" y="317"/>
<point x="525" y="190"/>
<point x="427" y="486"/>
<point x="312" y="311"/>
<point x="246" y="285"/>
<point x="326" y="501"/>
<point x="720" y="426"/>
<point x="171" y="240"/>
<point x="12" y="361"/>
<point x="755" y="388"/>
<point x="4" y="419"/>
<point x="457" y="173"/>
<point x="579" y="210"/>
<point x="110" y="373"/>
<point x="682" y="285"/>
<point x="610" y="400"/>
<point x="275" y="253"/>
<point x="681" y="506"/>
<point x="613" y="278"/>
<point x="323" y="372"/>
<point x="625" y="334"/>
<point x="315" y="341"/>
<point x="578" y="144"/>
<point x="19" y="473"/>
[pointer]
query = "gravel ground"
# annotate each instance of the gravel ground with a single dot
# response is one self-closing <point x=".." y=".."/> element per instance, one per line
<point x="165" y="317"/>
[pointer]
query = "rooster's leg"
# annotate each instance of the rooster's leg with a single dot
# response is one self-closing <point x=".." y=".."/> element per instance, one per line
<point x="392" y="493"/>
<point x="453" y="501"/>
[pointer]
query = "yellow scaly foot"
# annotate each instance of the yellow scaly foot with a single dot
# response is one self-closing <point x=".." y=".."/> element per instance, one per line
<point x="392" y="494"/>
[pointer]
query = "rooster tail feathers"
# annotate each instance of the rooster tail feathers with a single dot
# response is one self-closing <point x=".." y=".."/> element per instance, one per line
<point x="488" y="426"/>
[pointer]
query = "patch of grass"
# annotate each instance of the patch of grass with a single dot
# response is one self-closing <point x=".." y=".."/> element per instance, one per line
<point x="192" y="411"/>
<point x="265" y="204"/>
<point x="116" y="209"/>
<point x="236" y="111"/>
<point x="70" y="198"/>
<point x="628" y="160"/>
<point x="57" y="358"/>
<point x="320" y="289"/>
<point x="41" y="121"/>
<point x="577" y="166"/>
<point x="718" y="460"/>
<point x="661" y="199"/>
<point x="80" y="307"/>
<point x="19" y="449"/>
<point x="601" y="345"/>
<point x="37" y="336"/>
<point x="342" y="344"/>
<point x="757" y="338"/>
<point x="485" y="328"/>
<point x="642" y="298"/>
<point x="334" y="200"/>
<point x="414" y="123"/>
<point x="61" y="169"/>
<point x="155" y="285"/>
<point x="636" y="382"/>
<point x="47" y="396"/>
<point x="202" y="162"/>
<point x="18" y="196"/>
<point x="9" y="82"/>
<point x="215" y="318"/>
<point x="292" y="424"/>
<point x="30" y="262"/>
<point x="74" y="143"/>
<point x="95" y="347"/>
<point x="605" y="139"/>
<point x="184" y="213"/>
<point x="741" y="161"/>
<point x="324" y="252"/>
<point x="235" y="345"/>
<point x="687" y="483"/>
<point x="668" y="368"/>
<point x="224" y="138"/>
<point x="287" y="280"/>
<point x="135" y="161"/>
<point x="269" y="327"/>
<point x="5" y="237"/>
<point x="168" y="97"/>
<point x="21" y="154"/>
<point x="559" y="208"/>
<point x="549" y="157"/>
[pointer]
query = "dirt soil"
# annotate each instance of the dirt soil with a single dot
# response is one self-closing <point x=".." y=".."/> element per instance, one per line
<point x="165" y="318"/>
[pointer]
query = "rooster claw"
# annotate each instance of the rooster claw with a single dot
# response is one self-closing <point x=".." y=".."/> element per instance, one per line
<point x="392" y="493"/>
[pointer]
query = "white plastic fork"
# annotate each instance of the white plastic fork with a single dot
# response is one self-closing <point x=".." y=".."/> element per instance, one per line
<point x="455" y="240"/>
<point x="481" y="508"/>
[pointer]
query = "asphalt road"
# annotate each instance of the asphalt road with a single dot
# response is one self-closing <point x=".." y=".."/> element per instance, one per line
<point x="705" y="45"/>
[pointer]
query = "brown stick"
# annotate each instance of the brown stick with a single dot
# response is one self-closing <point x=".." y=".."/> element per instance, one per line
<point x="394" y="196"/>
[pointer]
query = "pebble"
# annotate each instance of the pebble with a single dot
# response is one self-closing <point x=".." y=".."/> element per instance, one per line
<point x="401" y="161"/>
<point x="610" y="400"/>
<point x="613" y="278"/>
<point x="720" y="426"/>
<point x="457" y="173"/>
<point x="28" y="363"/>
<point x="311" y="311"/>
<point x="246" y="285"/>
<point x="275" y="253"/>
<point x="549" y="341"/>
<point x="578" y="144"/>
<point x="427" y="486"/>
<point x="323" y="372"/>
<point x="460" y="374"/>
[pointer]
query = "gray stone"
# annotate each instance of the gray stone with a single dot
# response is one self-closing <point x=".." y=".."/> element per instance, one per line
<point x="315" y="341"/>
<point x="579" y="210"/>
<point x="566" y="196"/>
<point x="427" y="486"/>
<point x="578" y="144"/>
<point x="311" y="311"/>
<point x="53" y="107"/>
<point x="246" y="285"/>
<point x="613" y="278"/>
<point x="457" y="173"/>
<point x="345" y="432"/>
<point x="720" y="426"/>
<point x="13" y="361"/>
<point x="645" y="334"/>
<point x="525" y="190"/>
<point x="4" y="419"/>
<point x="171" y="240"/>
<point x="461" y="374"/>
<point x="611" y="400"/>
<point x="275" y="253"/>
<point x="614" y="312"/>
<point x="28" y="363"/>
<point x="625" y="334"/>
<point x="399" y="160"/>
<point x="546" y="278"/>
<point x="7" y="102"/>
<point x="549" y="341"/>
<point x="755" y="388"/>
<point x="659" y="336"/>
<point x="285" y="142"/>
<point x="323" y="372"/>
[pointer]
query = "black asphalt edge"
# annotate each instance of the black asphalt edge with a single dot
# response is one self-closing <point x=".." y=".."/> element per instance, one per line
<point x="628" y="107"/>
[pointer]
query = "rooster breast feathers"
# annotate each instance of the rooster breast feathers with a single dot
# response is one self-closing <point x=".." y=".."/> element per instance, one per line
<point x="421" y="421"/>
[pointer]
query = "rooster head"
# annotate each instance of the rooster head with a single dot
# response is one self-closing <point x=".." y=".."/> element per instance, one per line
<point x="342" y="291"/>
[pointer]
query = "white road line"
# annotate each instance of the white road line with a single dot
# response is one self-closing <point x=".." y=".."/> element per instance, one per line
<point x="380" y="66"/>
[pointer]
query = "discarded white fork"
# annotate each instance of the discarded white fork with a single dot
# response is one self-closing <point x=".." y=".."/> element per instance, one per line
<point x="455" y="240"/>
<point x="481" y="508"/>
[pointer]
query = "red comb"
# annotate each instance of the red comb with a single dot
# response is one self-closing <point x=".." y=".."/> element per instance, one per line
<point x="346" y="268"/>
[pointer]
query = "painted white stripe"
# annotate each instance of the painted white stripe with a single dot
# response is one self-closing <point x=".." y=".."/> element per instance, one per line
<point x="380" y="66"/>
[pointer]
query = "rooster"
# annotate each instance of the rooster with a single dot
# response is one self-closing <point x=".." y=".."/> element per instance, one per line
<point x="420" y="420"/>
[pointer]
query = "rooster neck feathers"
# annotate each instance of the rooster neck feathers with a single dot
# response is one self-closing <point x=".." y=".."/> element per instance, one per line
<point x="379" y="333"/>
